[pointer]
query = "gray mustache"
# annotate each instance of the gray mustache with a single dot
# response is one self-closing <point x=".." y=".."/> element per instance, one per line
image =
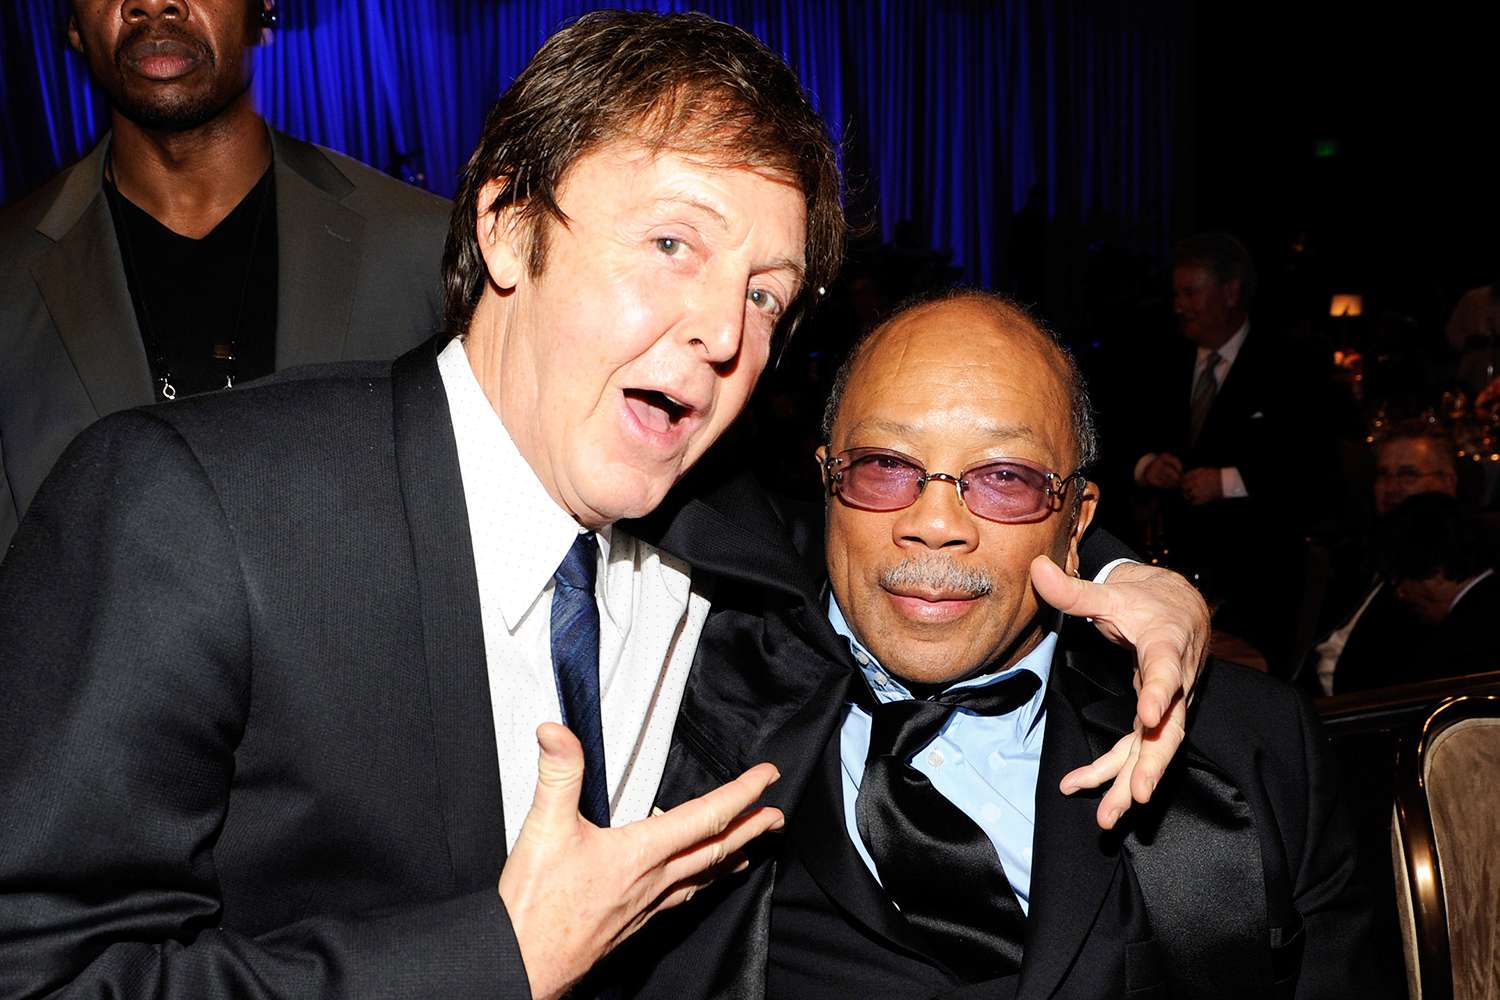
<point x="937" y="573"/>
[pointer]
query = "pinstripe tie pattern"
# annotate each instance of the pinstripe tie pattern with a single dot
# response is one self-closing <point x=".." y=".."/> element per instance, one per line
<point x="575" y="661"/>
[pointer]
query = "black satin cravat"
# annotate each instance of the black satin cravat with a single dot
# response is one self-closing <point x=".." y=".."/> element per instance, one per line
<point x="935" y="863"/>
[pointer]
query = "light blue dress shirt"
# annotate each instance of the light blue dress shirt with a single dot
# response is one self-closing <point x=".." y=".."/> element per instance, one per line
<point x="985" y="765"/>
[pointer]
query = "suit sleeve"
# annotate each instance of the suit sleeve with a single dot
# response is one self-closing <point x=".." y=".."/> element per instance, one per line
<point x="9" y="514"/>
<point x="1331" y="892"/>
<point x="126" y="665"/>
<point x="1100" y="548"/>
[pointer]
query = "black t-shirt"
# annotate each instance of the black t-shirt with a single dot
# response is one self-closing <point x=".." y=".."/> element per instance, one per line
<point x="206" y="307"/>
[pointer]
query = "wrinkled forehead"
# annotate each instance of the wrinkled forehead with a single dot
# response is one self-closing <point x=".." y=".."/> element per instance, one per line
<point x="960" y="365"/>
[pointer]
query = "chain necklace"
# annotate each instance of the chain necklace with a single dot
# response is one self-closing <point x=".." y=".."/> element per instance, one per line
<point x="154" y="349"/>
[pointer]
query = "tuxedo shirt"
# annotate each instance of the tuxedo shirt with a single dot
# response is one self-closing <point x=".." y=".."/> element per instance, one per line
<point x="649" y="621"/>
<point x="985" y="765"/>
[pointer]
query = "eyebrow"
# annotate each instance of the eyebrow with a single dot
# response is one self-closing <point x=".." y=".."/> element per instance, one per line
<point x="990" y="429"/>
<point x="796" y="267"/>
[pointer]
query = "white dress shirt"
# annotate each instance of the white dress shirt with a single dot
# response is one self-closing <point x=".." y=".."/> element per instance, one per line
<point x="649" y="622"/>
<point x="1231" y="484"/>
<point x="1331" y="648"/>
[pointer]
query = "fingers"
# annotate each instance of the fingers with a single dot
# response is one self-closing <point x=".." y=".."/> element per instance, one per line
<point x="1118" y="764"/>
<point x="1069" y="594"/>
<point x="1164" y="673"/>
<point x="1115" y="801"/>
<point x="1106" y="767"/>
<point x="1157" y="748"/>
<point x="710" y="854"/>
<point x="554" y="805"/>
<point x="685" y="890"/>
<point x="708" y="816"/>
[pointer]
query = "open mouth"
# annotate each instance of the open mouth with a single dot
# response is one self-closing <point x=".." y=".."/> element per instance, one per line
<point x="656" y="410"/>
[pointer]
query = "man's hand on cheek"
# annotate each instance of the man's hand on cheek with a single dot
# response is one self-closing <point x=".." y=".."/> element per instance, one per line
<point x="574" y="891"/>
<point x="1166" y="620"/>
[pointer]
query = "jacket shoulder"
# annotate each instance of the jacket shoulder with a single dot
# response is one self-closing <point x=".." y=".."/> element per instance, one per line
<point x="19" y="237"/>
<point x="396" y="201"/>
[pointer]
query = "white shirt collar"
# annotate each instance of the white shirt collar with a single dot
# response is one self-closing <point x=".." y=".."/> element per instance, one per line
<point x="1231" y="348"/>
<point x="504" y="493"/>
<point x="1038" y="661"/>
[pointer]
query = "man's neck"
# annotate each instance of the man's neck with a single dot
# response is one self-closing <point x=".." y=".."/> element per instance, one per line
<point x="1223" y="336"/>
<point x="189" y="181"/>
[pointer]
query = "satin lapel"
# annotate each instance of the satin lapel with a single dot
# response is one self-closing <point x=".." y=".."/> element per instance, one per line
<point x="468" y="770"/>
<point x="1074" y="863"/>
<point x="820" y="837"/>
<point x="1196" y="837"/>
<point x="82" y="280"/>
<point x="724" y="524"/>
<point x="320" y="246"/>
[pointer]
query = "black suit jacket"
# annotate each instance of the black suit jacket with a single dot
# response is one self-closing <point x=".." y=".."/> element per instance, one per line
<point x="246" y="746"/>
<point x="1244" y="858"/>
<point x="1272" y="420"/>
<point x="246" y="741"/>
<point x="1467" y="642"/>
<point x="359" y="254"/>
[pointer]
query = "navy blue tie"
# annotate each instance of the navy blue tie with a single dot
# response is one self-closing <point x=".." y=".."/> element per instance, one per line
<point x="575" y="660"/>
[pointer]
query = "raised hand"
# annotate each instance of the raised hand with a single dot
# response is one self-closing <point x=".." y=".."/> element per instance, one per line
<point x="574" y="891"/>
<point x="1165" y="619"/>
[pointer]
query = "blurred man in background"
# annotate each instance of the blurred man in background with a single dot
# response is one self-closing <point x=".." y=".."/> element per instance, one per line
<point x="196" y="247"/>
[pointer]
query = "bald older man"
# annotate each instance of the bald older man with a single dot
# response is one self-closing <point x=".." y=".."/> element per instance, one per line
<point x="926" y="707"/>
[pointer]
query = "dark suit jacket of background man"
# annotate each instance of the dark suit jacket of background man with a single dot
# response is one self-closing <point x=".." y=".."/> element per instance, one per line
<point x="246" y="741"/>
<point x="1244" y="858"/>
<point x="1272" y="420"/>
<point x="1468" y="640"/>
<point x="358" y="278"/>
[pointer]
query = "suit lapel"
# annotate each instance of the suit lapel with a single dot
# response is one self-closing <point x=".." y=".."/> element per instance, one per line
<point x="818" y="836"/>
<point x="1231" y="399"/>
<point x="320" y="246"/>
<point x="82" y="280"/>
<point x="468" y="770"/>
<point x="1074" y="861"/>
<point x="1196" y="836"/>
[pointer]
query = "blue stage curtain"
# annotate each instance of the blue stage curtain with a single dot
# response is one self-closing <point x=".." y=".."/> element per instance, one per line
<point x="952" y="114"/>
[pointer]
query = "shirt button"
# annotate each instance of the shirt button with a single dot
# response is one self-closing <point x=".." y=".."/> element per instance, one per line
<point x="935" y="758"/>
<point x="861" y="657"/>
<point x="881" y="678"/>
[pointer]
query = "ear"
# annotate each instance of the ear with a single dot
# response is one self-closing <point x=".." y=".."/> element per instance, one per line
<point x="821" y="457"/>
<point x="1086" y="509"/>
<point x="500" y="237"/>
<point x="264" y="30"/>
<point x="1232" y="289"/>
<point x="75" y="40"/>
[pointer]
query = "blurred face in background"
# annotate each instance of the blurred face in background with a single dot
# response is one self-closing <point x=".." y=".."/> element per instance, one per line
<point x="167" y="65"/>
<point x="1407" y="466"/>
<point x="1208" y="311"/>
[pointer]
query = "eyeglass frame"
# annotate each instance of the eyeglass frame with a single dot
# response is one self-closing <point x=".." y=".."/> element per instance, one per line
<point x="1057" y="484"/>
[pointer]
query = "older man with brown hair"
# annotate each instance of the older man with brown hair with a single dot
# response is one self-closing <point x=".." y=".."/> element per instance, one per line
<point x="277" y="662"/>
